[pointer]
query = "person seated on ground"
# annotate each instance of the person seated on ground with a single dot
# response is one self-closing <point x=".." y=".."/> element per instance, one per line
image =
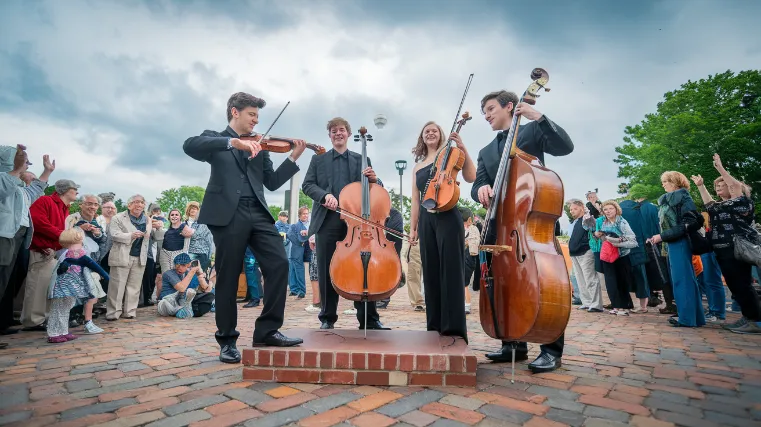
<point x="184" y="290"/>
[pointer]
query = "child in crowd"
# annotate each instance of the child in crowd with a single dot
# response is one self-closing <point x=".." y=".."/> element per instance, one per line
<point x="71" y="284"/>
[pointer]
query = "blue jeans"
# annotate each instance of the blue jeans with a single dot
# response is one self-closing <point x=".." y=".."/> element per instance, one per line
<point x="576" y="294"/>
<point x="711" y="285"/>
<point x="689" y="302"/>
<point x="253" y="278"/>
<point x="296" y="279"/>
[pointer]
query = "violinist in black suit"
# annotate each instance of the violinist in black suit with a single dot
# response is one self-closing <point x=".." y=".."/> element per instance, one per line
<point x="236" y="212"/>
<point x="536" y="138"/>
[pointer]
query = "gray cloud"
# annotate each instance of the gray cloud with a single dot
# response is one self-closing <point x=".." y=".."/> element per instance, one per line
<point x="148" y="74"/>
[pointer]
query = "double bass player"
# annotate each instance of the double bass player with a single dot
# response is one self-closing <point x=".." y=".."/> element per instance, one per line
<point x="536" y="138"/>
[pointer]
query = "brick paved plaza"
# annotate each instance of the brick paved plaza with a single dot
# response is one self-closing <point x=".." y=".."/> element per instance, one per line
<point x="164" y="372"/>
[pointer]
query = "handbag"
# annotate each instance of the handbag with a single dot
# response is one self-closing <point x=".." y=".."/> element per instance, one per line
<point x="747" y="251"/>
<point x="699" y="243"/>
<point x="608" y="252"/>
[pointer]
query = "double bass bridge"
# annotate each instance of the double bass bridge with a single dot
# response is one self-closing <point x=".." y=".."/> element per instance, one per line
<point x="495" y="249"/>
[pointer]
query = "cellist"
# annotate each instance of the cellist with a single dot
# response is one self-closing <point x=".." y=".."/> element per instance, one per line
<point x="327" y="175"/>
<point x="536" y="138"/>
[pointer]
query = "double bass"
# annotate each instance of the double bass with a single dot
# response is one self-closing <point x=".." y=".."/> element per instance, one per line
<point x="365" y="266"/>
<point x="527" y="291"/>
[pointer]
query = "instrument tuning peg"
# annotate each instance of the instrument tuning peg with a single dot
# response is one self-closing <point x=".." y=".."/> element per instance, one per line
<point x="546" y="89"/>
<point x="356" y="138"/>
<point x="369" y="137"/>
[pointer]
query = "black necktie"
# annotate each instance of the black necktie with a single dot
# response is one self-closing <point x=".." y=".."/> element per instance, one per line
<point x="501" y="138"/>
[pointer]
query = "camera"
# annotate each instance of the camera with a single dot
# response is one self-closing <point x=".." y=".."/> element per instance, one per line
<point x="194" y="263"/>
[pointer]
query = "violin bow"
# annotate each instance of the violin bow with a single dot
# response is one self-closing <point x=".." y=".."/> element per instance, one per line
<point x="354" y="216"/>
<point x="433" y="171"/>
<point x="272" y="125"/>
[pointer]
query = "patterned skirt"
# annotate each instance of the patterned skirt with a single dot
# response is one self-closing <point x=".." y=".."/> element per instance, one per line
<point x="313" y="267"/>
<point x="72" y="284"/>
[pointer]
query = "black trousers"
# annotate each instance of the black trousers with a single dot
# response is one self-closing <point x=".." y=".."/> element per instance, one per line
<point x="251" y="225"/>
<point x="12" y="286"/>
<point x="442" y="254"/>
<point x="739" y="278"/>
<point x="149" y="279"/>
<point x="107" y="269"/>
<point x="618" y="279"/>
<point x="332" y="231"/>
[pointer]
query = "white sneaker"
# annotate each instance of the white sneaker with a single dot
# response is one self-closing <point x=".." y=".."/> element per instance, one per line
<point x="311" y="308"/>
<point x="92" y="329"/>
<point x="467" y="308"/>
<point x="350" y="311"/>
<point x="711" y="318"/>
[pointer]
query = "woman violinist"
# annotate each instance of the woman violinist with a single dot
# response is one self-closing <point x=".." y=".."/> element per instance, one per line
<point x="441" y="239"/>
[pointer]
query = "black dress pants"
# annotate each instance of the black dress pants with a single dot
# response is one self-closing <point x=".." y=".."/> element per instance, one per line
<point x="442" y="253"/>
<point x="149" y="280"/>
<point x="739" y="278"/>
<point x="332" y="231"/>
<point x="251" y="225"/>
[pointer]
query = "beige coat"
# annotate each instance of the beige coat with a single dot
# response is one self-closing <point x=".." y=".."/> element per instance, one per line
<point x="121" y="232"/>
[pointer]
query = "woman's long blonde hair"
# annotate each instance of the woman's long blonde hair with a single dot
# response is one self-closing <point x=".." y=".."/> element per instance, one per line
<point x="421" y="150"/>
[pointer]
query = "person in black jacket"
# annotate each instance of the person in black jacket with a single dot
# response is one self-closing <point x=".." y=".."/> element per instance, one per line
<point x="536" y="138"/>
<point x="237" y="215"/>
<point x="396" y="223"/>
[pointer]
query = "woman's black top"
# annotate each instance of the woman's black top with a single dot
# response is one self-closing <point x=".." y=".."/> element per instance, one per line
<point x="173" y="240"/>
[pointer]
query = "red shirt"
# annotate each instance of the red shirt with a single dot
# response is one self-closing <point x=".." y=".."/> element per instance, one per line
<point x="49" y="220"/>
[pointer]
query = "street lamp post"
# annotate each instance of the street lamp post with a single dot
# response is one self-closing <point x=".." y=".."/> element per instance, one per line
<point x="401" y="165"/>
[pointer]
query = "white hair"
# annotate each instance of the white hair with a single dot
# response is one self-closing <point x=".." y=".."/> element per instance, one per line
<point x="91" y="196"/>
<point x="575" y="202"/>
<point x="135" y="197"/>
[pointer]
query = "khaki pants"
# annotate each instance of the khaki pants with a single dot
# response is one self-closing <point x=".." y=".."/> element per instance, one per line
<point x="588" y="280"/>
<point x="124" y="289"/>
<point x="415" y="276"/>
<point x="36" y="286"/>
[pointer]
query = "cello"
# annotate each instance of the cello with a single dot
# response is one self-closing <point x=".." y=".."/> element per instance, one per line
<point x="442" y="191"/>
<point x="527" y="291"/>
<point x="365" y="266"/>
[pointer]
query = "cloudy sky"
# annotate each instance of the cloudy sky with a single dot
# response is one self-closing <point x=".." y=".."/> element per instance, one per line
<point x="112" y="89"/>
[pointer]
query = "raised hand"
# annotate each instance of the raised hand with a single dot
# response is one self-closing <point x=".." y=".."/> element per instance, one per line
<point x="697" y="179"/>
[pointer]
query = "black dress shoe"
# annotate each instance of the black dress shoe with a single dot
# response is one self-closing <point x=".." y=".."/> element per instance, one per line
<point x="42" y="327"/>
<point x="251" y="303"/>
<point x="278" y="340"/>
<point x="326" y="325"/>
<point x="229" y="354"/>
<point x="376" y="326"/>
<point x="544" y="363"/>
<point x="506" y="355"/>
<point x="8" y="331"/>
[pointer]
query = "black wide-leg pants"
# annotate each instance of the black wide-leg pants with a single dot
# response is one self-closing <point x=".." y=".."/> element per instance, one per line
<point x="251" y="225"/>
<point x="442" y="252"/>
<point x="332" y="231"/>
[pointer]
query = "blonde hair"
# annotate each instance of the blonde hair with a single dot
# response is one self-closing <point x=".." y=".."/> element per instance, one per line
<point x="676" y="178"/>
<point x="191" y="205"/>
<point x="614" y="204"/>
<point x="71" y="236"/>
<point x="421" y="150"/>
<point x="302" y="209"/>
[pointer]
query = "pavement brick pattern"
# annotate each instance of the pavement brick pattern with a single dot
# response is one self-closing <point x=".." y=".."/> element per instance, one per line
<point x="163" y="372"/>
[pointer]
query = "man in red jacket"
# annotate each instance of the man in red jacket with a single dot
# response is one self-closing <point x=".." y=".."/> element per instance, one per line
<point x="48" y="218"/>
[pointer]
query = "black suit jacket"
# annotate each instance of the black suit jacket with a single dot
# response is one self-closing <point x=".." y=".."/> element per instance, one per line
<point x="317" y="183"/>
<point x="229" y="168"/>
<point x="535" y="138"/>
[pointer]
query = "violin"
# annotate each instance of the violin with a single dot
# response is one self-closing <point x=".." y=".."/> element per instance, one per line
<point x="527" y="291"/>
<point x="365" y="266"/>
<point x="279" y="144"/>
<point x="442" y="191"/>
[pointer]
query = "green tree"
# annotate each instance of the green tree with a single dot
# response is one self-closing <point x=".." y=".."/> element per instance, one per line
<point x="406" y="202"/>
<point x="274" y="210"/>
<point x="719" y="114"/>
<point x="178" y="198"/>
<point x="476" y="208"/>
<point x="120" y="206"/>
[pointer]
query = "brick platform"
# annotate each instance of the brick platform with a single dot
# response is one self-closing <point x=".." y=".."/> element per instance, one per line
<point x="339" y="356"/>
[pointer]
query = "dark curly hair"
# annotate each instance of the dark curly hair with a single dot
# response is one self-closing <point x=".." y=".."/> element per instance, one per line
<point x="241" y="100"/>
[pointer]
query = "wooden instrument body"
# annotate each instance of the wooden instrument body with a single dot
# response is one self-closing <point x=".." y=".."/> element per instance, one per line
<point x="532" y="290"/>
<point x="384" y="269"/>
<point x="277" y="144"/>
<point x="444" y="188"/>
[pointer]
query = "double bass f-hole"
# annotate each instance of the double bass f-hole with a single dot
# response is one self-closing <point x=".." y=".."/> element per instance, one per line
<point x="520" y="254"/>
